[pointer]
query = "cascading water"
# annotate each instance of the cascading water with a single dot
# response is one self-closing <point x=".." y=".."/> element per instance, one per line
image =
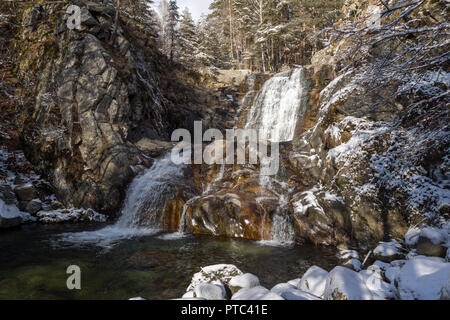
<point x="277" y="106"/>
<point x="147" y="193"/>
<point x="275" y="112"/>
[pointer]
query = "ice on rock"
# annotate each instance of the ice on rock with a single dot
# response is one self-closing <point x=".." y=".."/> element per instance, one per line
<point x="210" y="291"/>
<point x="345" y="284"/>
<point x="255" y="293"/>
<point x="289" y="292"/>
<point x="220" y="272"/>
<point x="246" y="280"/>
<point x="424" y="278"/>
<point x="314" y="281"/>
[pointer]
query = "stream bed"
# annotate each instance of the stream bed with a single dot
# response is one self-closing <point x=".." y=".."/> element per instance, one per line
<point x="33" y="263"/>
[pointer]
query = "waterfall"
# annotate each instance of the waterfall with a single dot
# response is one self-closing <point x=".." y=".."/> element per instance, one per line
<point x="282" y="231"/>
<point x="148" y="193"/>
<point x="277" y="106"/>
<point x="275" y="112"/>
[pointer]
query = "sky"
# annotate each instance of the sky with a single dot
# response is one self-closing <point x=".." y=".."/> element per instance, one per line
<point x="196" y="7"/>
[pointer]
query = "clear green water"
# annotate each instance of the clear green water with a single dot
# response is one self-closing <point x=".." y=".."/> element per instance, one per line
<point x="33" y="267"/>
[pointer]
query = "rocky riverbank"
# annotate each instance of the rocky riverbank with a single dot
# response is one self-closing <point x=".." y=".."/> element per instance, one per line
<point x="415" y="268"/>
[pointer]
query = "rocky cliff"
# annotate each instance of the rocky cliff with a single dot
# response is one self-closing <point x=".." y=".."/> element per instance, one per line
<point x="92" y="113"/>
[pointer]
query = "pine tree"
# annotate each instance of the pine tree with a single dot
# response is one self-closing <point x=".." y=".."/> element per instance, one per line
<point x="172" y="25"/>
<point x="188" y="38"/>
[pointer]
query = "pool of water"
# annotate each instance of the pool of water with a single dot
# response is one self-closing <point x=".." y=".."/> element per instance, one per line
<point x="33" y="263"/>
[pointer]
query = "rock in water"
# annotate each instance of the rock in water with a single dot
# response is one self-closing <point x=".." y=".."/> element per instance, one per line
<point x="345" y="284"/>
<point x="314" y="281"/>
<point x="220" y="272"/>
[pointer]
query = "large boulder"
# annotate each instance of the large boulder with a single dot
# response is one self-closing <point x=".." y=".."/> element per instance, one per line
<point x="255" y="293"/>
<point x="26" y="192"/>
<point x="345" y="284"/>
<point x="314" y="281"/>
<point x="388" y="251"/>
<point x="33" y="206"/>
<point x="210" y="291"/>
<point x="424" y="278"/>
<point x="246" y="280"/>
<point x="431" y="242"/>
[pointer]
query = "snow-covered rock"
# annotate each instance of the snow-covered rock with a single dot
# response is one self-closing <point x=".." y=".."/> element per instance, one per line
<point x="447" y="257"/>
<point x="379" y="265"/>
<point x="380" y="289"/>
<point x="295" y="282"/>
<point x="289" y="292"/>
<point x="388" y="251"/>
<point x="353" y="264"/>
<point x="189" y="294"/>
<point x="391" y="274"/>
<point x="255" y="293"/>
<point x="210" y="291"/>
<point x="314" y="281"/>
<point x="432" y="242"/>
<point x="246" y="280"/>
<point x="70" y="215"/>
<point x="136" y="299"/>
<point x="11" y="216"/>
<point x="220" y="272"/>
<point x="412" y="236"/>
<point x="272" y="296"/>
<point x="26" y="192"/>
<point x="348" y="254"/>
<point x="424" y="278"/>
<point x="345" y="284"/>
